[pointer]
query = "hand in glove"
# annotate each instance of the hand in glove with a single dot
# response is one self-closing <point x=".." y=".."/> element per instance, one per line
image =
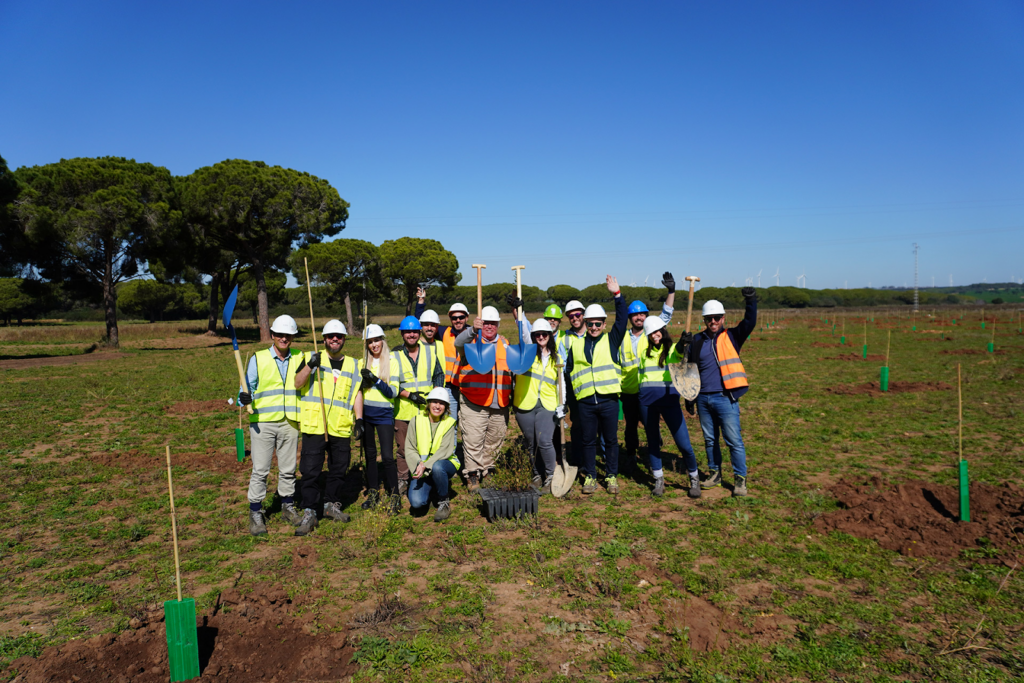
<point x="369" y="379"/>
<point x="691" y="407"/>
<point x="357" y="429"/>
<point x="685" y="339"/>
<point x="560" y="412"/>
<point x="748" y="292"/>
<point x="669" y="282"/>
<point x="244" y="398"/>
<point x="314" y="361"/>
<point x="513" y="301"/>
<point x="418" y="399"/>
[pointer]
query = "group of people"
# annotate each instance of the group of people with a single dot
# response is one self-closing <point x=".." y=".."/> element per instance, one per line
<point x="431" y="413"/>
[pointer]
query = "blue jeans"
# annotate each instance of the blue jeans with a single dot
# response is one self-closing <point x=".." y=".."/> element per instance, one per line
<point x="601" y="418"/>
<point x="719" y="414"/>
<point x="453" y="401"/>
<point x="438" y="478"/>
<point x="668" y="408"/>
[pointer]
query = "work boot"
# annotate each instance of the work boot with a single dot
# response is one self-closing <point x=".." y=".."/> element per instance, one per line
<point x="536" y="483"/>
<point x="394" y="505"/>
<point x="659" y="487"/>
<point x="372" y="498"/>
<point x="472" y="483"/>
<point x="290" y="514"/>
<point x="403" y="486"/>
<point x="257" y="525"/>
<point x="546" y="488"/>
<point x="307" y="523"/>
<point x="589" y="485"/>
<point x="333" y="511"/>
<point x="713" y="479"/>
<point x="695" y="487"/>
<point x="739" y="488"/>
<point x="613" y="485"/>
<point x="444" y="510"/>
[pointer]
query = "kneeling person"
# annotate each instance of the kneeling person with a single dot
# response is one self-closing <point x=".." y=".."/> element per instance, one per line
<point x="343" y="403"/>
<point x="430" y="454"/>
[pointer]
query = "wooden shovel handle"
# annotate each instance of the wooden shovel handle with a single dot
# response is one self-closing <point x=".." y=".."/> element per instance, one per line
<point x="519" y="286"/>
<point x="479" y="288"/>
<point x="689" y="306"/>
<point x="241" y="376"/>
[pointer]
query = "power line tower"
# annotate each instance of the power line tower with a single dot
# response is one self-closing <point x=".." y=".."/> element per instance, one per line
<point x="915" y="277"/>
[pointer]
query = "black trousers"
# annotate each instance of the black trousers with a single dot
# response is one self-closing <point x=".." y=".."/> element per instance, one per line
<point x="600" y="419"/>
<point x="338" y="451"/>
<point x="631" y="412"/>
<point x="386" y="434"/>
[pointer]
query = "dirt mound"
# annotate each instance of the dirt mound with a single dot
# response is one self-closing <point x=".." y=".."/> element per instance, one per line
<point x="875" y="389"/>
<point x="824" y="345"/>
<point x="135" y="461"/>
<point x="970" y="352"/>
<point x="855" y="356"/>
<point x="244" y="638"/>
<point x="918" y="518"/>
<point x="199" y="407"/>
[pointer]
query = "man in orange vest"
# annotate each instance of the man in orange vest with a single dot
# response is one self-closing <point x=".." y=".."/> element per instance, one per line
<point x="484" y="401"/>
<point x="716" y="351"/>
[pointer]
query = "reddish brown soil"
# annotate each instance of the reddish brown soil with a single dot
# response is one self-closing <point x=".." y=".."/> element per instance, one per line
<point x="874" y="389"/>
<point x="855" y="356"/>
<point x="918" y="518"/>
<point x="198" y="407"/>
<point x="135" y="461"/>
<point x="969" y="352"/>
<point x="244" y="638"/>
<point x="24" y="363"/>
<point x="823" y="345"/>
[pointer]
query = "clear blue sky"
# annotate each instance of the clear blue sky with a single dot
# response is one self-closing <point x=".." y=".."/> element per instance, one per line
<point x="710" y="138"/>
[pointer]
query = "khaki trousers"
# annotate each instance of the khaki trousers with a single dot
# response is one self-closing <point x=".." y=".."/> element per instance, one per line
<point x="266" y="438"/>
<point x="483" y="430"/>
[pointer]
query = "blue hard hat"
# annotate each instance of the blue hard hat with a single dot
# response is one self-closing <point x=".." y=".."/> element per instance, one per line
<point x="637" y="307"/>
<point x="409" y="323"/>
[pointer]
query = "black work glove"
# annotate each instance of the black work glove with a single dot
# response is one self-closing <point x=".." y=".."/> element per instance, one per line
<point x="314" y="361"/>
<point x="418" y="399"/>
<point x="748" y="292"/>
<point x="691" y="407"/>
<point x="669" y="282"/>
<point x="685" y="338"/>
<point x="513" y="301"/>
<point x="369" y="379"/>
<point x="357" y="429"/>
<point x="244" y="398"/>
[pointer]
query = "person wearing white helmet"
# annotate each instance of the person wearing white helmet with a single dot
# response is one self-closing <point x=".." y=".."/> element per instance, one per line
<point x="458" y="315"/>
<point x="658" y="398"/>
<point x="343" y="405"/>
<point x="723" y="380"/>
<point x="379" y="389"/>
<point x="274" y="424"/>
<point x="536" y="403"/>
<point x="430" y="455"/>
<point x="594" y="371"/>
<point x="485" y="399"/>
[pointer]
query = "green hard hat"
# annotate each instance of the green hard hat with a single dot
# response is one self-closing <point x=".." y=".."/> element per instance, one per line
<point x="553" y="311"/>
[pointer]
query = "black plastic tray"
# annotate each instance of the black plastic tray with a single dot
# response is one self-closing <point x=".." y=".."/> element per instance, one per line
<point x="509" y="504"/>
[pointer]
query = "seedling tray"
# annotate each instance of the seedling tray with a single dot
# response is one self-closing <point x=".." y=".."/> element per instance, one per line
<point x="509" y="504"/>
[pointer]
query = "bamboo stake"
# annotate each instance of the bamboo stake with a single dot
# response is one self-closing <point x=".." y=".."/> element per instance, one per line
<point x="888" y="342"/>
<point x="312" y="324"/>
<point x="960" y="412"/>
<point x="174" y="525"/>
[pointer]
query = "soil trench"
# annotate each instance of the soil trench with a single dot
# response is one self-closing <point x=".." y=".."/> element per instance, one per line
<point x="856" y="356"/>
<point x="875" y="389"/>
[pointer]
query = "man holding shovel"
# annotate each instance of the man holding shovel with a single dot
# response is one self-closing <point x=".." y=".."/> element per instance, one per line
<point x="722" y="382"/>
<point x="417" y="370"/>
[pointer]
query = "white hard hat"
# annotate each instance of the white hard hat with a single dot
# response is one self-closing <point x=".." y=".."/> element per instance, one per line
<point x="372" y="332"/>
<point x="573" y="306"/>
<point x="438" y="394"/>
<point x="334" y="327"/>
<point x="595" y="311"/>
<point x="541" y="325"/>
<point x="490" y="315"/>
<point x="713" y="307"/>
<point x="284" y="324"/>
<point x="653" y="324"/>
<point x="458" y="308"/>
<point x="430" y="317"/>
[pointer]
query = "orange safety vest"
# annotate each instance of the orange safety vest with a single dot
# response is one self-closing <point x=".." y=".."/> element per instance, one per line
<point x="451" y="357"/>
<point x="733" y="374"/>
<point x="479" y="389"/>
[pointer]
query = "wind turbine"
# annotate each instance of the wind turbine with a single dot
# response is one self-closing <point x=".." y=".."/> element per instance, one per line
<point x="749" y="282"/>
<point x="776" y="276"/>
<point x="759" y="277"/>
<point x="804" y="278"/>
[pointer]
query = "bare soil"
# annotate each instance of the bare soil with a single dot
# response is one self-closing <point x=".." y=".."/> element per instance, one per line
<point x="824" y="345"/>
<point x="875" y="389"/>
<point x="25" y="363"/>
<point x="970" y="352"/>
<point x="918" y="518"/>
<point x="136" y="461"/>
<point x="200" y="407"/>
<point x="856" y="357"/>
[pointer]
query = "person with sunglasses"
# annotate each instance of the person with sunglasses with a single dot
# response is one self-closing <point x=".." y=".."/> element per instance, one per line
<point x="723" y="381"/>
<point x="535" y="400"/>
<point x="343" y="405"/>
<point x="274" y="424"/>
<point x="458" y="315"/>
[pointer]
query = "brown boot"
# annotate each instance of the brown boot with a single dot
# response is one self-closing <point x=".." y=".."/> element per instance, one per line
<point x="472" y="482"/>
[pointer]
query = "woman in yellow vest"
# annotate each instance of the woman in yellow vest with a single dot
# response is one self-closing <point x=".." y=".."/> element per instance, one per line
<point x="535" y="400"/>
<point x="379" y="389"/>
<point x="430" y="454"/>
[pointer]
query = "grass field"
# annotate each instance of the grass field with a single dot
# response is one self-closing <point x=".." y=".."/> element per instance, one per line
<point x="595" y="588"/>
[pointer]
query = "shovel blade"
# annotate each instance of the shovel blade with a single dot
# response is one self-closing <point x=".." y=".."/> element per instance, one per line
<point x="229" y="306"/>
<point x="562" y="479"/>
<point x="686" y="379"/>
<point x="520" y="357"/>
<point x="182" y="639"/>
<point x="480" y="356"/>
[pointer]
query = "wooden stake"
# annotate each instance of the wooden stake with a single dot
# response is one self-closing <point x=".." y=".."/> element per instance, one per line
<point x="312" y="323"/>
<point x="888" y="342"/>
<point x="960" y="412"/>
<point x="174" y="525"/>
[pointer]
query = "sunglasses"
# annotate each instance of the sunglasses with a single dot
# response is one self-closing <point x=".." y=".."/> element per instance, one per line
<point x="577" y="314"/>
<point x="553" y="320"/>
<point x="334" y="336"/>
<point x="457" y="318"/>
<point x="278" y="335"/>
<point x="592" y="323"/>
<point x="490" y="324"/>
<point x="715" y="318"/>
<point x="541" y="334"/>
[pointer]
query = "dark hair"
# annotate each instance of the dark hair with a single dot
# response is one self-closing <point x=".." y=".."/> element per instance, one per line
<point x="551" y="346"/>
<point x="665" y="346"/>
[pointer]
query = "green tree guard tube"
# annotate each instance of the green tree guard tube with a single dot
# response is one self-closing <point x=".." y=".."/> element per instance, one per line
<point x="240" y="444"/>
<point x="965" y="497"/>
<point x="884" y="380"/>
<point x="991" y="347"/>
<point x="842" y="340"/>
<point x="865" y="352"/>
<point x="982" y="324"/>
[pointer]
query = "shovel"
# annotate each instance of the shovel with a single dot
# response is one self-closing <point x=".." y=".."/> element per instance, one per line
<point x="686" y="376"/>
<point x="480" y="356"/>
<point x="229" y="310"/>
<point x="520" y="357"/>
<point x="180" y="615"/>
<point x="564" y="475"/>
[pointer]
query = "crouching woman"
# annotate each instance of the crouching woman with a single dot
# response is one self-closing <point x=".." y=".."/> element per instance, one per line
<point x="430" y="454"/>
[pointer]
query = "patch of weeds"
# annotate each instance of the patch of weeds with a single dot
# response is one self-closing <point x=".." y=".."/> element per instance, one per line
<point x="383" y="656"/>
<point x="615" y="627"/>
<point x="613" y="550"/>
<point x="14" y="647"/>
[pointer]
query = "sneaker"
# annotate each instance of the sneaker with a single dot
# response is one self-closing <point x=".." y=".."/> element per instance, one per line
<point x="307" y="523"/>
<point x="472" y="483"/>
<point x="290" y="514"/>
<point x="713" y="479"/>
<point x="739" y="488"/>
<point x="333" y="511"/>
<point x="536" y="483"/>
<point x="443" y="510"/>
<point x="613" y="485"/>
<point x="545" y="489"/>
<point x="659" y="487"/>
<point x="695" y="487"/>
<point x="372" y="498"/>
<point x="257" y="525"/>
<point x="589" y="485"/>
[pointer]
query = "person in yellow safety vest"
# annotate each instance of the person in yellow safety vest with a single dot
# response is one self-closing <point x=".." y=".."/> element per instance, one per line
<point x="379" y="388"/>
<point x="458" y="315"/>
<point x="343" y="405"/>
<point x="595" y="374"/>
<point x="660" y="399"/>
<point x="274" y="424"/>
<point x="535" y="399"/>
<point x="484" y="401"/>
<point x="417" y="369"/>
<point x="430" y="455"/>
<point x="632" y="349"/>
<point x="716" y="351"/>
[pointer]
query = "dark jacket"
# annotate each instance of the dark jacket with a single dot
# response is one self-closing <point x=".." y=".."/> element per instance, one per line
<point x="737" y="335"/>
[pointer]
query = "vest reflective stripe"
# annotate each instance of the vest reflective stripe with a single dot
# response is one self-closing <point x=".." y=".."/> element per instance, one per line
<point x="373" y="396"/>
<point x="451" y="356"/>
<point x="631" y="362"/>
<point x="410" y="380"/>
<point x="479" y="389"/>
<point x="563" y="342"/>
<point x="275" y="400"/>
<point x="426" y="446"/>
<point x="650" y="373"/>
<point x="604" y="377"/>
<point x="537" y="383"/>
<point x="733" y="374"/>
<point x="339" y="400"/>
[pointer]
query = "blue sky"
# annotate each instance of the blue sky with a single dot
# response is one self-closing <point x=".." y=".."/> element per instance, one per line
<point x="711" y="139"/>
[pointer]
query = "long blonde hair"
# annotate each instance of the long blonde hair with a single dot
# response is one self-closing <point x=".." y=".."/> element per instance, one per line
<point x="384" y="371"/>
